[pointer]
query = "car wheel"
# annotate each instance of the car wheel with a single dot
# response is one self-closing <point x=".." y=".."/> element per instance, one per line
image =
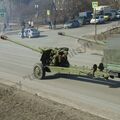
<point x="29" y="36"/>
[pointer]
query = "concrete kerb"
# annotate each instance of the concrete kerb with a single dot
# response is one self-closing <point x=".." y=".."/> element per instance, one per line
<point x="114" y="29"/>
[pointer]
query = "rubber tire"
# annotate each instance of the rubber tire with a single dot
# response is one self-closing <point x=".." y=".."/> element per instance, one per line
<point x="29" y="36"/>
<point x="39" y="71"/>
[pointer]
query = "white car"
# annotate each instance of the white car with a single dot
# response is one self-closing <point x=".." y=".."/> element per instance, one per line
<point x="118" y="16"/>
<point x="30" y="33"/>
<point x="98" y="20"/>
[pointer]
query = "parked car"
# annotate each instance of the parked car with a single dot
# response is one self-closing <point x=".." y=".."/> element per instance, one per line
<point x="112" y="16"/>
<point x="118" y="14"/>
<point x="98" y="20"/>
<point x="80" y="20"/>
<point x="118" y="11"/>
<point x="72" y="24"/>
<point x="83" y="20"/>
<point x="30" y="33"/>
<point x="107" y="17"/>
<point x="85" y="16"/>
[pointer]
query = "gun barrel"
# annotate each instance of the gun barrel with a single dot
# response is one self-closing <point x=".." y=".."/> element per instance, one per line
<point x="82" y="39"/>
<point x="21" y="44"/>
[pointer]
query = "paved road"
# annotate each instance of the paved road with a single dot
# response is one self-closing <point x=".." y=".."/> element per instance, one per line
<point x="95" y="96"/>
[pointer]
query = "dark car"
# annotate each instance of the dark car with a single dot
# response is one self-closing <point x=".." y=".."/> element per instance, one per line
<point x="84" y="20"/>
<point x="72" y="24"/>
<point x="85" y="17"/>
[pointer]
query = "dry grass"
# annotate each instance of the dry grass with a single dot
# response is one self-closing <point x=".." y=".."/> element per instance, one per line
<point x="20" y="105"/>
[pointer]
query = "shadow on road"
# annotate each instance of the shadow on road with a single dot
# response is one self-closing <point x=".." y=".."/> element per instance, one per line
<point x="43" y="35"/>
<point x="41" y="31"/>
<point x="111" y="83"/>
<point x="58" y="28"/>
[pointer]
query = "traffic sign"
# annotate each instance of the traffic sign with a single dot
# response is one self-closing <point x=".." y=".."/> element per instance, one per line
<point x="48" y="12"/>
<point x="94" y="4"/>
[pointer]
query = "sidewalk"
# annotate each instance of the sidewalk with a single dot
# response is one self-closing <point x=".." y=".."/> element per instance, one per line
<point x="58" y="26"/>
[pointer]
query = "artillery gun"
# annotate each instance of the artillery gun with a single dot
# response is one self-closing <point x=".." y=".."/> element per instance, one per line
<point x="56" y="60"/>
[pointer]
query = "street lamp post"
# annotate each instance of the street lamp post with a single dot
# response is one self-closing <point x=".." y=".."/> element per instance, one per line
<point x="54" y="11"/>
<point x="36" y="7"/>
<point x="94" y="6"/>
<point x="116" y="2"/>
<point x="95" y="25"/>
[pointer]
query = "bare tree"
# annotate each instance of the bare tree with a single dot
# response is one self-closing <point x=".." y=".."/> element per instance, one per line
<point x="64" y="9"/>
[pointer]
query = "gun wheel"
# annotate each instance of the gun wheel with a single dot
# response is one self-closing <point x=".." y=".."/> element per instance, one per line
<point x="39" y="71"/>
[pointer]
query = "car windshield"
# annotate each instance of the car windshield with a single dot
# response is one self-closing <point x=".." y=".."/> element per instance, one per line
<point x="97" y="17"/>
<point x="52" y="64"/>
<point x="108" y="14"/>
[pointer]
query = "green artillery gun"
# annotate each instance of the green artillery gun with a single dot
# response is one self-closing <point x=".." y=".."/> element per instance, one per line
<point x="56" y="60"/>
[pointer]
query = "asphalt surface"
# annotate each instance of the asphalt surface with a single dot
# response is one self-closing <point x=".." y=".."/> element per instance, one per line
<point x="95" y="96"/>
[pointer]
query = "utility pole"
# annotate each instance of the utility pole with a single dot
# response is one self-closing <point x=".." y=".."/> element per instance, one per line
<point x="54" y="13"/>
<point x="95" y="25"/>
<point x="116" y="2"/>
<point x="37" y="13"/>
<point x="94" y="5"/>
<point x="3" y="15"/>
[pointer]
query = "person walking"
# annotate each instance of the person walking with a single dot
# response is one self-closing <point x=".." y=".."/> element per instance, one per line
<point x="22" y="28"/>
<point x="50" y="24"/>
<point x="32" y="24"/>
<point x="29" y="23"/>
<point x="4" y="27"/>
<point x="54" y="24"/>
<point x="22" y="31"/>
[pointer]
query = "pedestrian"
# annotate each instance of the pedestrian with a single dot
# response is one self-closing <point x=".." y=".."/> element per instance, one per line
<point x="50" y="24"/>
<point x="23" y="23"/>
<point x="32" y="24"/>
<point x="4" y="27"/>
<point x="54" y="24"/>
<point x="22" y="31"/>
<point x="29" y="23"/>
